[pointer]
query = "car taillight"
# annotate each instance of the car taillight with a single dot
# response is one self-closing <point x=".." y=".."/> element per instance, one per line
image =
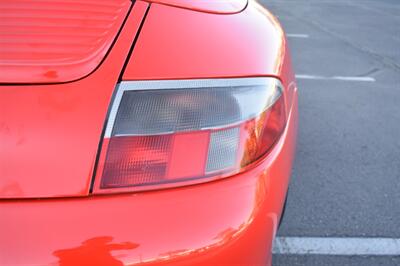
<point x="171" y="133"/>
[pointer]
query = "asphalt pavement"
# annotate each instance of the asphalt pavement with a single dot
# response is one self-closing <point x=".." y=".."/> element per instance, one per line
<point x="346" y="177"/>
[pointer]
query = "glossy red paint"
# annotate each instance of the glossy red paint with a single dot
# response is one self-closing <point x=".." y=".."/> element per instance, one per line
<point x="49" y="143"/>
<point x="217" y="7"/>
<point x="230" y="221"/>
<point x="58" y="40"/>
<point x="49" y="134"/>
<point x="250" y="43"/>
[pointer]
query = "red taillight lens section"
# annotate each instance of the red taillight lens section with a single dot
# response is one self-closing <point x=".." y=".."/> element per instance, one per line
<point x="172" y="133"/>
<point x="134" y="161"/>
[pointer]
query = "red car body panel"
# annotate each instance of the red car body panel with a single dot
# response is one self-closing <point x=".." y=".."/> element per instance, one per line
<point x="227" y="222"/>
<point x="176" y="43"/>
<point x="49" y="134"/>
<point x="56" y="41"/>
<point x="50" y="140"/>
<point x="217" y="7"/>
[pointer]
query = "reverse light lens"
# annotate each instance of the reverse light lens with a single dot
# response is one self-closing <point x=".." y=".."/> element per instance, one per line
<point x="171" y="133"/>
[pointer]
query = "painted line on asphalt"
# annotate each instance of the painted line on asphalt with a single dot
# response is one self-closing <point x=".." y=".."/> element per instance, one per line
<point x="362" y="79"/>
<point x="352" y="246"/>
<point x="295" y="35"/>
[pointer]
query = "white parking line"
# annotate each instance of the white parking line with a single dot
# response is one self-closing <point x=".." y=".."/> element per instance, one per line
<point x="364" y="79"/>
<point x="337" y="246"/>
<point x="295" y="35"/>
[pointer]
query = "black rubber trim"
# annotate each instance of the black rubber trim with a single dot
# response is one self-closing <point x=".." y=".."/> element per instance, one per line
<point x="113" y="97"/>
<point x="134" y="43"/>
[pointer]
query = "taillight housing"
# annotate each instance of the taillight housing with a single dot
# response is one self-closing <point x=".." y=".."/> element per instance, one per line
<point x="177" y="132"/>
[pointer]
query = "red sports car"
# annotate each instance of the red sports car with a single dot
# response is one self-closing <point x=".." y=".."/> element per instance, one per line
<point x="147" y="132"/>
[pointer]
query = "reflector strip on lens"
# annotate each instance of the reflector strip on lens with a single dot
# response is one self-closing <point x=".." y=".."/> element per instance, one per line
<point x="222" y="151"/>
<point x="189" y="155"/>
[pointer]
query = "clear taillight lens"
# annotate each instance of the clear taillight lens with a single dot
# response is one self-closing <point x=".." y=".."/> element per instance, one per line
<point x="172" y="133"/>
